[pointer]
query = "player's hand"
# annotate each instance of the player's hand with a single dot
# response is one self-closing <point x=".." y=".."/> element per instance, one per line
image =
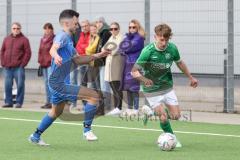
<point x="193" y="82"/>
<point x="103" y="53"/>
<point x="147" y="82"/>
<point x="58" y="60"/>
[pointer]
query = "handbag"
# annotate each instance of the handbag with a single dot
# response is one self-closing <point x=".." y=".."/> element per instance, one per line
<point x="40" y="71"/>
<point x="99" y="62"/>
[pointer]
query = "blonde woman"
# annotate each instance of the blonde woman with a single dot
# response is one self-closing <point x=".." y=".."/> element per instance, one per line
<point x="93" y="72"/>
<point x="93" y="41"/>
<point x="114" y="67"/>
<point x="135" y="37"/>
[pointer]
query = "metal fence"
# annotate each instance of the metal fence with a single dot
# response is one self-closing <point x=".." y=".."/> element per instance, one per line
<point x="202" y="30"/>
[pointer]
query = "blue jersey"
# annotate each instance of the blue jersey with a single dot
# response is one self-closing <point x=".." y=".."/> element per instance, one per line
<point x="59" y="80"/>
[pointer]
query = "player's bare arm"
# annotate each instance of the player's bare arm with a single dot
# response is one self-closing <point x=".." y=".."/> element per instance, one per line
<point x="55" y="55"/>
<point x="183" y="67"/>
<point x="138" y="76"/>
<point x="79" y="59"/>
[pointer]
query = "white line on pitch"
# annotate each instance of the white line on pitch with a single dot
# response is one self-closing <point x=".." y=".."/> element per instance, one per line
<point x="126" y="128"/>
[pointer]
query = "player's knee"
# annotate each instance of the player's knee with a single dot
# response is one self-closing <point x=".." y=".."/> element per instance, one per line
<point x="175" y="116"/>
<point x="163" y="117"/>
<point x="55" y="113"/>
<point x="94" y="98"/>
<point x="52" y="114"/>
<point x="92" y="101"/>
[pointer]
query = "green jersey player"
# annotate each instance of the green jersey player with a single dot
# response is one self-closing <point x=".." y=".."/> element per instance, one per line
<point x="155" y="61"/>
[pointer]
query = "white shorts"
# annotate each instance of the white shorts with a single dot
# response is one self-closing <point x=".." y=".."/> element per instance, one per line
<point x="168" y="98"/>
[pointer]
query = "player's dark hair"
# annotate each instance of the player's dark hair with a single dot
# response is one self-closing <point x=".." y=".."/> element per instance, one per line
<point x="163" y="30"/>
<point x="68" y="13"/>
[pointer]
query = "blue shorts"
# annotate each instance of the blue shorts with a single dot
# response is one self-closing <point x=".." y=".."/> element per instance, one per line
<point x="59" y="84"/>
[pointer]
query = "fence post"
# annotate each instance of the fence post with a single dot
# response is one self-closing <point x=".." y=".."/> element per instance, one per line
<point x="74" y="5"/>
<point x="147" y="20"/>
<point x="225" y="81"/>
<point x="229" y="99"/>
<point x="9" y="17"/>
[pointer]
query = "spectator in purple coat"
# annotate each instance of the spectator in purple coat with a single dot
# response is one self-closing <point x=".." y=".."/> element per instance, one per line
<point x="15" y="55"/>
<point x="44" y="58"/>
<point x="135" y="37"/>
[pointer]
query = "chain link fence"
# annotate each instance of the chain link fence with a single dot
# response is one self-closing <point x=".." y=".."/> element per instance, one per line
<point x="200" y="30"/>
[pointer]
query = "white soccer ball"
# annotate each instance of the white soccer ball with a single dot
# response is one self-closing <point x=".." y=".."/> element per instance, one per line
<point x="167" y="141"/>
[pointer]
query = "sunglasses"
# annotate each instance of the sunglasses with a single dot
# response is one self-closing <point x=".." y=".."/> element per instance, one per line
<point x="84" y="26"/>
<point x="16" y="28"/>
<point x="113" y="29"/>
<point x="132" y="27"/>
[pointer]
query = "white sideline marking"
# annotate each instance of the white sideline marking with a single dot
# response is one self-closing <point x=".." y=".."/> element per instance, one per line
<point x="126" y="128"/>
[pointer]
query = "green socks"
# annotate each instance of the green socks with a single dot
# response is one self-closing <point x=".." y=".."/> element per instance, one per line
<point x="166" y="127"/>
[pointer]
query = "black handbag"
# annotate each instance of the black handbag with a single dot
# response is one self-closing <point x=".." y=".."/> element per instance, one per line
<point x="99" y="62"/>
<point x="40" y="71"/>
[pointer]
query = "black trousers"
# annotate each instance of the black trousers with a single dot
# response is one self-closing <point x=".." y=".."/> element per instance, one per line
<point x="117" y="94"/>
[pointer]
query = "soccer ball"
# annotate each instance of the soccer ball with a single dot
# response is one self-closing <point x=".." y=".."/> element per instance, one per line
<point x="167" y="141"/>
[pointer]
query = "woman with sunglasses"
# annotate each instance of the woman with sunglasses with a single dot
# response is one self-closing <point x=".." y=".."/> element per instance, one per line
<point x="133" y="44"/>
<point x="114" y="67"/>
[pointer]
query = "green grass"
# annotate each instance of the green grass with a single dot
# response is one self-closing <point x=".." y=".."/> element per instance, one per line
<point x="118" y="144"/>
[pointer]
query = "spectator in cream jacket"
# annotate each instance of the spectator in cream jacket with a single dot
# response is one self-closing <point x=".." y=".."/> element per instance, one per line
<point x="114" y="67"/>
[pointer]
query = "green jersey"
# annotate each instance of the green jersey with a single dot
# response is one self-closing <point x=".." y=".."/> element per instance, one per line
<point x="156" y="65"/>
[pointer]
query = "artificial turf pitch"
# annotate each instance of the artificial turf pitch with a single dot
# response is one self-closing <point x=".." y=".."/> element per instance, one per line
<point x="119" y="139"/>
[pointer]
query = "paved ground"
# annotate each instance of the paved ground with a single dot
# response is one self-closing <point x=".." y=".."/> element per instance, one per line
<point x="205" y="103"/>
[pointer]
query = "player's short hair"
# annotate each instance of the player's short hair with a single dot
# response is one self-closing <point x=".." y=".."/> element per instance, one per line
<point x="68" y="14"/>
<point x="163" y="30"/>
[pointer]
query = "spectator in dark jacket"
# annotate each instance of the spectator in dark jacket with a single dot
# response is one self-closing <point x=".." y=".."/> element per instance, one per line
<point x="104" y="34"/>
<point x="15" y="55"/>
<point x="44" y="58"/>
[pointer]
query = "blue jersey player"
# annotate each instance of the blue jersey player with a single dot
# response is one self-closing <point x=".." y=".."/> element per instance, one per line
<point x="64" y="59"/>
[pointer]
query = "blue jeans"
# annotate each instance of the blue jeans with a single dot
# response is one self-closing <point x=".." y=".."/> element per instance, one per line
<point x="17" y="73"/>
<point x="105" y="88"/>
<point x="133" y="99"/>
<point x="81" y="79"/>
<point x="46" y="74"/>
<point x="74" y="77"/>
<point x="93" y="78"/>
<point x="83" y="75"/>
<point x="77" y="79"/>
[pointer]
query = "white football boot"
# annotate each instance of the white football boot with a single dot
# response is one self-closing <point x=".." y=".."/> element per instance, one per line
<point x="90" y="136"/>
<point x="37" y="141"/>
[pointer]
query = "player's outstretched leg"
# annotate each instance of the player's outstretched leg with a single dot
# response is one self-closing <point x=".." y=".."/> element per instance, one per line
<point x="47" y="120"/>
<point x="90" y="108"/>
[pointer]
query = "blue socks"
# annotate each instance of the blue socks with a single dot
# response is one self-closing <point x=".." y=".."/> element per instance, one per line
<point x="45" y="123"/>
<point x="90" y="111"/>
